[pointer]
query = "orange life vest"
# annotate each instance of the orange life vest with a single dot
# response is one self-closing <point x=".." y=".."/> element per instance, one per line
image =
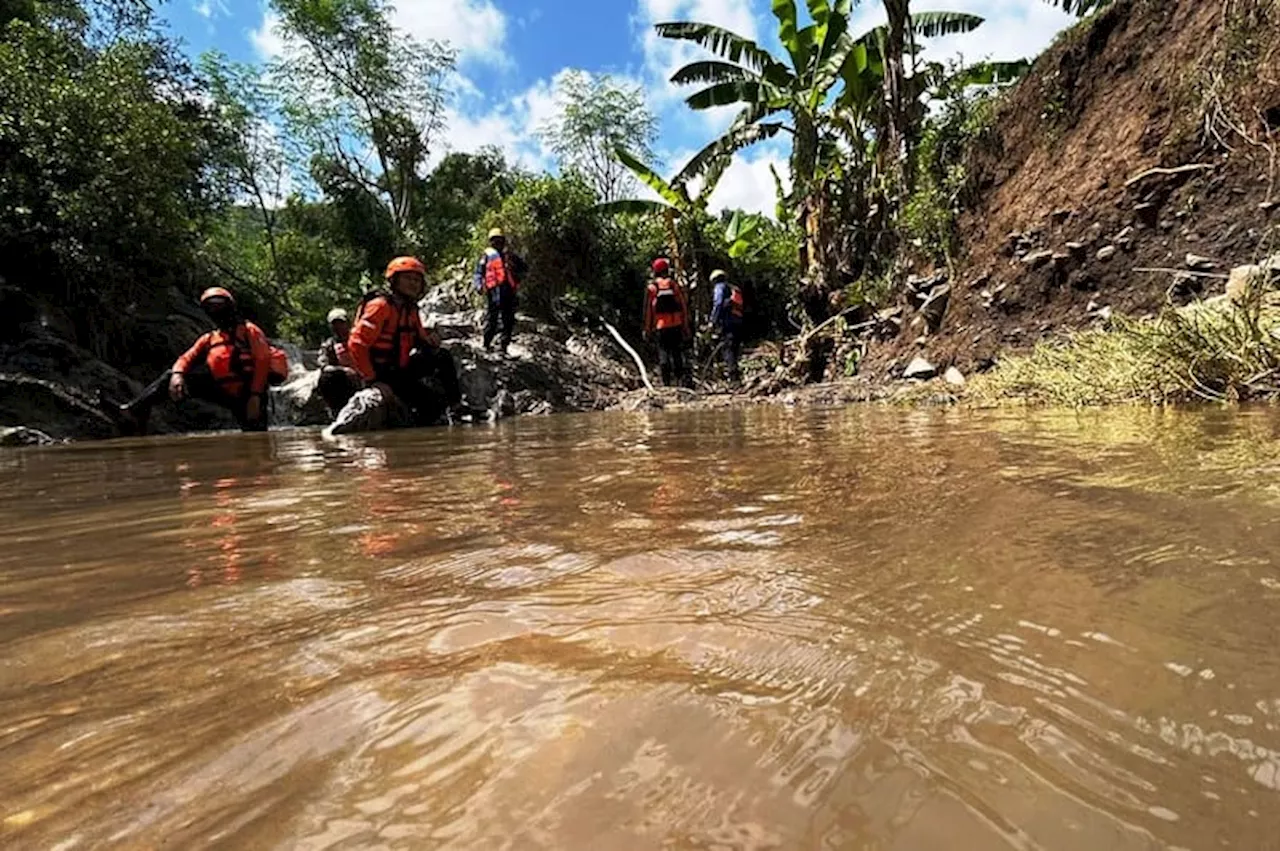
<point x="399" y="329"/>
<point x="668" y="307"/>
<point x="496" y="272"/>
<point x="735" y="302"/>
<point x="230" y="359"/>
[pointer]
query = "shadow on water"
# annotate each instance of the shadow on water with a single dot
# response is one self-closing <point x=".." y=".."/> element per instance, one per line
<point x="752" y="629"/>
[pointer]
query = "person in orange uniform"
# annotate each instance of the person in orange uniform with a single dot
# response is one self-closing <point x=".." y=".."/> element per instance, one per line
<point x="666" y="311"/>
<point x="392" y="351"/>
<point x="230" y="366"/>
<point x="339" y="380"/>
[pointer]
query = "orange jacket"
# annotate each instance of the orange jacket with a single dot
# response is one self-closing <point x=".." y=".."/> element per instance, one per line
<point x="385" y="333"/>
<point x="669" y="311"/>
<point x="237" y="359"/>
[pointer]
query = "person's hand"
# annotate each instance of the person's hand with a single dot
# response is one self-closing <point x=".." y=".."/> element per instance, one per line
<point x="253" y="408"/>
<point x="177" y="387"/>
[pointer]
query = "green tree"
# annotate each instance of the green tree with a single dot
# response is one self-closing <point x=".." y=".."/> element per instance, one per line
<point x="597" y="116"/>
<point x="107" y="164"/>
<point x="457" y="194"/>
<point x="365" y="100"/>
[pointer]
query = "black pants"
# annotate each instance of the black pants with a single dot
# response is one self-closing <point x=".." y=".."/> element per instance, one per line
<point x="428" y="385"/>
<point x="731" y="339"/>
<point x="501" y="311"/>
<point x="200" y="385"/>
<point x="671" y="355"/>
<point x="337" y="385"/>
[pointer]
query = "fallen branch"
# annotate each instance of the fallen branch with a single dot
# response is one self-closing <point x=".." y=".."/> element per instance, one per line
<point x="1168" y="172"/>
<point x="644" y="374"/>
<point x="1218" y="275"/>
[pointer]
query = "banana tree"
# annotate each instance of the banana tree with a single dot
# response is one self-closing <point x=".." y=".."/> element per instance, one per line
<point x="800" y="95"/>
<point x="676" y="202"/>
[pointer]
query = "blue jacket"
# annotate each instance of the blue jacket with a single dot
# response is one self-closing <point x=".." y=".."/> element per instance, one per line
<point x="721" y="315"/>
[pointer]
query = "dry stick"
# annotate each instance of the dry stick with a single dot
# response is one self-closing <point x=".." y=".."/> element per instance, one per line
<point x="1185" y="272"/>
<point x="1182" y="169"/>
<point x="635" y="357"/>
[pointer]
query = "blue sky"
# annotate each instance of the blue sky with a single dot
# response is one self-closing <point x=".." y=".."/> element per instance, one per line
<point x="512" y="52"/>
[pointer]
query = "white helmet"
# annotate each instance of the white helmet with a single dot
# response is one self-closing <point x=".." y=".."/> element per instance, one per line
<point x="336" y="314"/>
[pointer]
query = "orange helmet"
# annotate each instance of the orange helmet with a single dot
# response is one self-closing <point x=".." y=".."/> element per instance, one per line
<point x="661" y="266"/>
<point x="405" y="264"/>
<point x="216" y="292"/>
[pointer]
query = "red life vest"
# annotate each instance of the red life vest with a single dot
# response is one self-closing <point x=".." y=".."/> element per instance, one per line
<point x="399" y="329"/>
<point x="496" y="272"/>
<point x="735" y="302"/>
<point x="668" y="308"/>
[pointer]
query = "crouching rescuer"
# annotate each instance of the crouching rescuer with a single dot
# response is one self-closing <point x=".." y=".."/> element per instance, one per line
<point x="230" y="366"/>
<point x="402" y="365"/>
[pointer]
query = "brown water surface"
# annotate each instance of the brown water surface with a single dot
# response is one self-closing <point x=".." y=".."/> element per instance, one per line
<point x="856" y="629"/>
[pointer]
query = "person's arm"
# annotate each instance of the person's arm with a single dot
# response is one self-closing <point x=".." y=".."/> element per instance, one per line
<point x="364" y="335"/>
<point x="426" y="335"/>
<point x="327" y="356"/>
<point x="260" y="350"/>
<point x="648" y="313"/>
<point x="478" y="279"/>
<point x="188" y="359"/>
<point x="719" y="303"/>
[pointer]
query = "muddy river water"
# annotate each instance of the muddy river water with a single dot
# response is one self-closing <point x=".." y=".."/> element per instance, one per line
<point x="840" y="629"/>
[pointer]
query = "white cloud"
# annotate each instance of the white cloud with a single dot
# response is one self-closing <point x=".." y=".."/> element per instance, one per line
<point x="1014" y="29"/>
<point x="663" y="57"/>
<point x="475" y="28"/>
<point x="207" y="9"/>
<point x="748" y="184"/>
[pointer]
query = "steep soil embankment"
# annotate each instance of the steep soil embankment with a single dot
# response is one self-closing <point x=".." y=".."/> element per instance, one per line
<point x="1144" y="135"/>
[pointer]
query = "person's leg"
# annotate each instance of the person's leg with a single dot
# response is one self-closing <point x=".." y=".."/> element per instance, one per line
<point x="493" y="311"/>
<point x="447" y="374"/>
<point x="337" y="385"/>
<point x="732" y="350"/>
<point x="508" y="317"/>
<point x="665" y="358"/>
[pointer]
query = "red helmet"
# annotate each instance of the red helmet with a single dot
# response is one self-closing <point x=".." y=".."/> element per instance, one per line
<point x="661" y="266"/>
<point x="216" y="292"/>
<point x="405" y="264"/>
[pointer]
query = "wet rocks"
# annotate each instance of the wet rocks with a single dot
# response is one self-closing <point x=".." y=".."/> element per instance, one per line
<point x="23" y="436"/>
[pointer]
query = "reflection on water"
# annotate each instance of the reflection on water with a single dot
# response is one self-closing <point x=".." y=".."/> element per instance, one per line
<point x="771" y="629"/>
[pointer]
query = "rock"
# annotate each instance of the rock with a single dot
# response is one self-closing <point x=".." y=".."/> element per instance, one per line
<point x="954" y="377"/>
<point x="23" y="436"/>
<point x="919" y="370"/>
<point x="1077" y="250"/>
<point x="1186" y="285"/>
<point x="1197" y="263"/>
<point x="922" y="287"/>
<point x="298" y="402"/>
<point x="1061" y="258"/>
<point x="889" y="323"/>
<point x="1105" y="314"/>
<point x="1268" y="206"/>
<point x="1245" y="283"/>
<point x="1124" y="238"/>
<point x="1107" y="252"/>
<point x="935" y="308"/>
<point x="1059" y="217"/>
<point x="1036" y="259"/>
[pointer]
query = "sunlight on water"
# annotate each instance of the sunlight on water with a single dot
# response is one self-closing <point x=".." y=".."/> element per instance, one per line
<point x="864" y="629"/>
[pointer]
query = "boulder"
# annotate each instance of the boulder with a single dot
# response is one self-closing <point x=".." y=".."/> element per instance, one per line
<point x="954" y="377"/>
<point x="1246" y="283"/>
<point x="919" y="370"/>
<point x="298" y="402"/>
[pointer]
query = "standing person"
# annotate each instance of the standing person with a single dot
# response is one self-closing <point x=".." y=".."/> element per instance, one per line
<point x="666" y="311"/>
<point x="230" y="366"/>
<point x="498" y="277"/>
<point x="339" y="380"/>
<point x="392" y="351"/>
<point x="726" y="320"/>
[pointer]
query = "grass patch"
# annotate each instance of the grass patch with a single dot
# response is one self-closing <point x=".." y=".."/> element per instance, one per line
<point x="1207" y="351"/>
